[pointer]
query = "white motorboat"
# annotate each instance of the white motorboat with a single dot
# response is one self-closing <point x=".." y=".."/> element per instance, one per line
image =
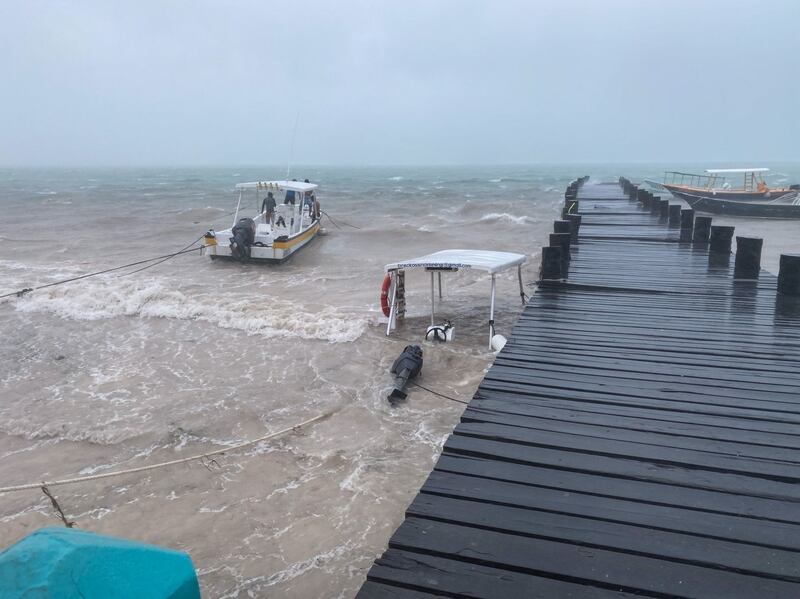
<point x="393" y="302"/>
<point x="288" y="220"/>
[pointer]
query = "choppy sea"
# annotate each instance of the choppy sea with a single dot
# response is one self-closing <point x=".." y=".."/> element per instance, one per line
<point x="125" y="369"/>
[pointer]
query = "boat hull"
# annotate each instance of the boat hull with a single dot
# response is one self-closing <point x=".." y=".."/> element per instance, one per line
<point x="278" y="252"/>
<point x="731" y="195"/>
<point x="740" y="208"/>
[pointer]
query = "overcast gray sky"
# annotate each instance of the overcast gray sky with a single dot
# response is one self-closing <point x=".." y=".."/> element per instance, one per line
<point x="411" y="82"/>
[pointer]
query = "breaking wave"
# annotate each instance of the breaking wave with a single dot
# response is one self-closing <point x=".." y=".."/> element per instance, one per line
<point x="261" y="315"/>
<point x="505" y="216"/>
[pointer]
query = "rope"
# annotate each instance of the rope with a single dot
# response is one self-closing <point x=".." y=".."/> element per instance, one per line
<point x="341" y="221"/>
<point x="442" y="395"/>
<point x="22" y="292"/>
<point x="200" y="456"/>
<point x="183" y="249"/>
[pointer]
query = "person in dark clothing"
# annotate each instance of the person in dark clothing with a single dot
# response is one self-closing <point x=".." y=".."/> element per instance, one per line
<point x="308" y="200"/>
<point x="268" y="207"/>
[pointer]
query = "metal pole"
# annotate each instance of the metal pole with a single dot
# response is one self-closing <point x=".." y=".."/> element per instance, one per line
<point x="392" y="307"/>
<point x="439" y="276"/>
<point x="521" y="288"/>
<point x="239" y="203"/>
<point x="433" y="314"/>
<point x="491" y="315"/>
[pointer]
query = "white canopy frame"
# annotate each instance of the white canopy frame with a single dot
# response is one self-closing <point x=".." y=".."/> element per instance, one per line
<point x="452" y="261"/>
<point x="297" y="186"/>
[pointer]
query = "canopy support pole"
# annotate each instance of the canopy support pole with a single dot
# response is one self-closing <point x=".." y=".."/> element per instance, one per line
<point x="393" y="306"/>
<point x="521" y="288"/>
<point x="439" y="274"/>
<point x="433" y="312"/>
<point x="491" y="314"/>
<point x="238" y="204"/>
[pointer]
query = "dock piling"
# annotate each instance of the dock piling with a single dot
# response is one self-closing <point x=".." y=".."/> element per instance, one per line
<point x="675" y="216"/>
<point x="551" y="263"/>
<point x="663" y="210"/>
<point x="789" y="275"/>
<point x="687" y="224"/>
<point x="561" y="226"/>
<point x="720" y="239"/>
<point x="574" y="227"/>
<point x="687" y="218"/>
<point x="561" y="240"/>
<point x="748" y="257"/>
<point x="702" y="230"/>
<point x="719" y="248"/>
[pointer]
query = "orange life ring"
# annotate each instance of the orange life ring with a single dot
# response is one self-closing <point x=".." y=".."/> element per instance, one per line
<point x="387" y="282"/>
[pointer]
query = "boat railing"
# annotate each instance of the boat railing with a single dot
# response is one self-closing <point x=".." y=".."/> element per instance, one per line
<point x="693" y="180"/>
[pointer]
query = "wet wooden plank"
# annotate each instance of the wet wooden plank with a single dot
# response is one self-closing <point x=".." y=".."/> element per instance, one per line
<point x="436" y="574"/>
<point x="603" y="568"/>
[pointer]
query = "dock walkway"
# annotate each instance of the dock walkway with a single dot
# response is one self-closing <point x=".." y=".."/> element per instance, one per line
<point x="637" y="436"/>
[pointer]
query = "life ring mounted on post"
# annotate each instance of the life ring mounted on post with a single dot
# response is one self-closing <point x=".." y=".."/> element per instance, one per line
<point x="387" y="283"/>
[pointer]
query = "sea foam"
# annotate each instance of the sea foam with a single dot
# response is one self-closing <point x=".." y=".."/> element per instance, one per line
<point x="255" y="315"/>
<point x="505" y="216"/>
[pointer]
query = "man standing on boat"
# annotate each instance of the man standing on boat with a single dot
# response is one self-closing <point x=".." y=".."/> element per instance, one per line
<point x="268" y="208"/>
<point x="309" y="200"/>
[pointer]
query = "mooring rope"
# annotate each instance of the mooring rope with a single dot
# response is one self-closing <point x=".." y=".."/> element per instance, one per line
<point x="163" y="258"/>
<point x="200" y="456"/>
<point x="341" y="221"/>
<point x="180" y="251"/>
<point x="442" y="395"/>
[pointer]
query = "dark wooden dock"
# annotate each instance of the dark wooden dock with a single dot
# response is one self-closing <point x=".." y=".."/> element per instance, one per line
<point x="637" y="436"/>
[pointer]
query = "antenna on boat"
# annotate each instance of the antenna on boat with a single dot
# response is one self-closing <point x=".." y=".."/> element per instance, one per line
<point x="291" y="147"/>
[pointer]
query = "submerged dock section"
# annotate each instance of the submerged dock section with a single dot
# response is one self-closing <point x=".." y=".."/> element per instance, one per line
<point x="637" y="436"/>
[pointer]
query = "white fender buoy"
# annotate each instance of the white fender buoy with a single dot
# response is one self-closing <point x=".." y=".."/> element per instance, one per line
<point x="498" y="342"/>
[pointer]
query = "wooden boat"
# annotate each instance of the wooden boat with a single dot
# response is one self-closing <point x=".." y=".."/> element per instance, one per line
<point x="712" y="193"/>
<point x="775" y="209"/>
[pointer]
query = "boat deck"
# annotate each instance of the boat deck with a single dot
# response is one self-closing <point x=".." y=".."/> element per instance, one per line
<point x="637" y="436"/>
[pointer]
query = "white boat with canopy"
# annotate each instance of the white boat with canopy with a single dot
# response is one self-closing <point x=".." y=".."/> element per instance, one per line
<point x="288" y="219"/>
<point x="393" y="291"/>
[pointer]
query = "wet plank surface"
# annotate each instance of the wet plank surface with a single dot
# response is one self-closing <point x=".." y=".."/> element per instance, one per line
<point x="637" y="436"/>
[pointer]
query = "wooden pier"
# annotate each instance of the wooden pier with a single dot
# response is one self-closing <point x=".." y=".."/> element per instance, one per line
<point x="639" y="435"/>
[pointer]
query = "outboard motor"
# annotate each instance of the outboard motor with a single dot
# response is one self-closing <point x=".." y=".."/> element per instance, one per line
<point x="407" y="366"/>
<point x="244" y="234"/>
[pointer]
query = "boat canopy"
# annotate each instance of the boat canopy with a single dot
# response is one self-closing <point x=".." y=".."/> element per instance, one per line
<point x="450" y="261"/>
<point x="736" y="170"/>
<point x="491" y="262"/>
<point x="278" y="185"/>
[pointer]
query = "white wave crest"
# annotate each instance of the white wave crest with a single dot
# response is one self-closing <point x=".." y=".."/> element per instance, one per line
<point x="255" y="315"/>
<point x="505" y="216"/>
